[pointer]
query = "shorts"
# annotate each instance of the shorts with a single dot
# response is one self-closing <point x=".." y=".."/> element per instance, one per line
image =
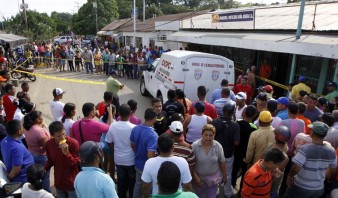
<point x="106" y="147"/>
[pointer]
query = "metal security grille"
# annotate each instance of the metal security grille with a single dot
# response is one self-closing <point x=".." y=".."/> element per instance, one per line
<point x="309" y="67"/>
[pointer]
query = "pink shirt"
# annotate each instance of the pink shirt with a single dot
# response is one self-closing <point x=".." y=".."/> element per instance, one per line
<point x="133" y="119"/>
<point x="91" y="130"/>
<point x="33" y="136"/>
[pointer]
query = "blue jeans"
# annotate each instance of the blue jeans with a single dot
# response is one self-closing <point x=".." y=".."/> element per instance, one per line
<point x="138" y="184"/>
<point x="65" y="194"/>
<point x="89" y="66"/>
<point x="296" y="192"/>
<point x="42" y="159"/>
<point x="126" y="180"/>
<point x="134" y="71"/>
<point x="106" y="68"/>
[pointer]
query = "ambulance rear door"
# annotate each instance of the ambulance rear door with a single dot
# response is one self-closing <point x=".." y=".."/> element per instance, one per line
<point x="207" y="71"/>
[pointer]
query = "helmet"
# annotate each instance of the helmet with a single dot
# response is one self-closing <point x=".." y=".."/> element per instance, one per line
<point x="88" y="151"/>
<point x="282" y="134"/>
<point x="229" y="108"/>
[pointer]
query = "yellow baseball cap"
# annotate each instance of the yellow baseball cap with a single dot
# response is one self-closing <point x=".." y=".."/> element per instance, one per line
<point x="265" y="116"/>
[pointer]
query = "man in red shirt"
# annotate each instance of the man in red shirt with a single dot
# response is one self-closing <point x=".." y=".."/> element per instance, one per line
<point x="10" y="102"/>
<point x="265" y="69"/>
<point x="209" y="109"/>
<point x="62" y="153"/>
<point x="244" y="87"/>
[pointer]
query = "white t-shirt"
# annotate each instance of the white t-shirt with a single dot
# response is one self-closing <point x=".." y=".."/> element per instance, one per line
<point x="56" y="107"/>
<point x="239" y="112"/>
<point x="18" y="114"/>
<point x="119" y="134"/>
<point x="67" y="124"/>
<point x="153" y="165"/>
<point x="29" y="193"/>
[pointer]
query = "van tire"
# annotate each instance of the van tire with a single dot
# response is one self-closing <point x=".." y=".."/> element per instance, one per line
<point x="143" y="89"/>
<point x="159" y="95"/>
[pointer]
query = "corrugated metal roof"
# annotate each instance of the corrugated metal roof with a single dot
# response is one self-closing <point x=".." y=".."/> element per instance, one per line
<point x="116" y="24"/>
<point x="13" y="40"/>
<point x="318" y="16"/>
<point x="149" y="24"/>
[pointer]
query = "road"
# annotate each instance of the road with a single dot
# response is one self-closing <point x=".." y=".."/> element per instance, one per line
<point x="80" y="93"/>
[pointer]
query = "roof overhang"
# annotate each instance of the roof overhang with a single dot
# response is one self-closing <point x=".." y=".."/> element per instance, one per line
<point x="310" y="45"/>
<point x="13" y="40"/>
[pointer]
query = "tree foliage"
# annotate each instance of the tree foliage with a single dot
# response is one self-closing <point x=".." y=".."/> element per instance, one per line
<point x="63" y="21"/>
<point x="84" y="21"/>
<point x="40" y="25"/>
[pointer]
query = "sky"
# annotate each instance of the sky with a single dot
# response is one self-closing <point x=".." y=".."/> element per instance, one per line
<point x="10" y="8"/>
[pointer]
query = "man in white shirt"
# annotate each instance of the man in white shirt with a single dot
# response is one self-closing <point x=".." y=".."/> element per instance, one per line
<point x="165" y="145"/>
<point x="118" y="139"/>
<point x="56" y="107"/>
<point x="240" y="104"/>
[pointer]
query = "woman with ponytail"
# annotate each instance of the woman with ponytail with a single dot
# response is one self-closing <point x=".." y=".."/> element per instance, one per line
<point x="33" y="188"/>
<point x="185" y="102"/>
<point x="67" y="118"/>
<point x="36" y="137"/>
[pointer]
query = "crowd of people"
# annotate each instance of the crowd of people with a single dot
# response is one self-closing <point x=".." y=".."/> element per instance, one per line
<point x="278" y="147"/>
<point x="100" y="59"/>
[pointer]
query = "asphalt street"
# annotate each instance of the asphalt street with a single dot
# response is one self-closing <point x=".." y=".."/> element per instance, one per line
<point x="80" y="93"/>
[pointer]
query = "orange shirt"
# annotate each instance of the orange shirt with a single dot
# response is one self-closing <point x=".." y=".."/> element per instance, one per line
<point x="306" y="122"/>
<point x="265" y="71"/>
<point x="257" y="183"/>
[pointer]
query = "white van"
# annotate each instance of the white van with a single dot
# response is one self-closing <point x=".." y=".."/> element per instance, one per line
<point x="186" y="70"/>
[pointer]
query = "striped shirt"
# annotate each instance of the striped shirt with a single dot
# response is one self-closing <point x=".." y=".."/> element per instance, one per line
<point x="314" y="159"/>
<point x="257" y="182"/>
<point x="185" y="152"/>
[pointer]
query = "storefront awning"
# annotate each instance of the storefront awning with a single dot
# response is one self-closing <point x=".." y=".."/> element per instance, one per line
<point x="310" y="45"/>
<point x="13" y="40"/>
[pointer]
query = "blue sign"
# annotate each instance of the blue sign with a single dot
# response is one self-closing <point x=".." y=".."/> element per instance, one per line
<point x="132" y="12"/>
<point x="237" y="16"/>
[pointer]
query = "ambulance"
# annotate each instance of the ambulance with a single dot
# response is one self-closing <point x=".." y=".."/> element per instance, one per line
<point x="186" y="70"/>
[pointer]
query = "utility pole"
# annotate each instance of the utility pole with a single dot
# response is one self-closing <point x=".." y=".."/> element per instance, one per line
<point x="134" y="18"/>
<point x="24" y="13"/>
<point x="144" y="10"/>
<point x="95" y="7"/>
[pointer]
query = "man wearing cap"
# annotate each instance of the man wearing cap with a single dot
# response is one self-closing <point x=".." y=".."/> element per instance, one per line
<point x="228" y="135"/>
<point x="92" y="181"/>
<point x="181" y="148"/>
<point x="282" y="107"/>
<point x="332" y="91"/>
<point x="307" y="175"/>
<point x="165" y="145"/>
<point x="216" y="94"/>
<point x="260" y="139"/>
<point x="56" y="107"/>
<point x="299" y="87"/>
<point x="112" y="84"/>
<point x="268" y="90"/>
<point x="240" y="105"/>
<point x="244" y="87"/>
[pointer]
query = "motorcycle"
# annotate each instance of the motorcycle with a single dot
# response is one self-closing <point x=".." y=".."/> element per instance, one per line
<point x="23" y="71"/>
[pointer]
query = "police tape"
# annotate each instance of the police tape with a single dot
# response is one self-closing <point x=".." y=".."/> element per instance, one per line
<point x="61" y="78"/>
<point x="269" y="81"/>
<point x="73" y="59"/>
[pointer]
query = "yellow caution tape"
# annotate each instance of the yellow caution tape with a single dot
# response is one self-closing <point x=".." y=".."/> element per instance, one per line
<point x="63" y="79"/>
<point x="269" y="81"/>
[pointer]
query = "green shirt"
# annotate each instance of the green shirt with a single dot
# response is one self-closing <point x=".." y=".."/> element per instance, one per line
<point x="331" y="95"/>
<point x="113" y="85"/>
<point x="178" y="194"/>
